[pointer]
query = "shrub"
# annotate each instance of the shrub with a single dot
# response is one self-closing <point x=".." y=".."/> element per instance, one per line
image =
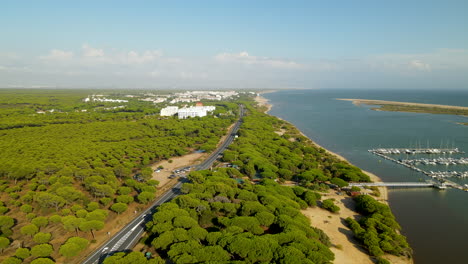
<point x="26" y="208"/>
<point x="330" y="206"/>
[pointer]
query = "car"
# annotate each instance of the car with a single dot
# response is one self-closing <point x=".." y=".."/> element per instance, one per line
<point x="105" y="249"/>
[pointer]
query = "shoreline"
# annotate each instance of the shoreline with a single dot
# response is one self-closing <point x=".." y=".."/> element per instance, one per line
<point x="344" y="245"/>
<point x="262" y="101"/>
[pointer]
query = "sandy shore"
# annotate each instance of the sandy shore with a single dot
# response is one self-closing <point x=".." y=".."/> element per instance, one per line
<point x="346" y="248"/>
<point x="383" y="102"/>
<point x="262" y="101"/>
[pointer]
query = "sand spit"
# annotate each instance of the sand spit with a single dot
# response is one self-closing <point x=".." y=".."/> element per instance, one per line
<point x="383" y="102"/>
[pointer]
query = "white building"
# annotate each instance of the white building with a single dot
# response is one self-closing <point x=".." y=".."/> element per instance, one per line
<point x="195" y="111"/>
<point x="169" y="111"/>
<point x="95" y="99"/>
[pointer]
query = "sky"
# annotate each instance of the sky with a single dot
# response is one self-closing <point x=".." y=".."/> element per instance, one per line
<point x="235" y="44"/>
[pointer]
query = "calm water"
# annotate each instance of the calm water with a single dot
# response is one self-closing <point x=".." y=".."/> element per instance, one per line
<point x="435" y="222"/>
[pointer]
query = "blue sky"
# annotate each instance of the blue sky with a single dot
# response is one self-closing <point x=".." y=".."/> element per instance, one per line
<point x="262" y="44"/>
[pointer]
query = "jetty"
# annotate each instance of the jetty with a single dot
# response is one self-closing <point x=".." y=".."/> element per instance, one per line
<point x="391" y="184"/>
<point x="437" y="161"/>
<point x="431" y="184"/>
<point x="399" y="184"/>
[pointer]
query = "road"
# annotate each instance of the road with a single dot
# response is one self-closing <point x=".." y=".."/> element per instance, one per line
<point x="128" y="236"/>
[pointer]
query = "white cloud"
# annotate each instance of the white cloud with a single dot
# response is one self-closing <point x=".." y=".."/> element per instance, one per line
<point x="440" y="59"/>
<point x="133" y="57"/>
<point x="155" y="73"/>
<point x="96" y="66"/>
<point x="8" y="55"/>
<point x="57" y="55"/>
<point x="244" y="58"/>
<point x="89" y="51"/>
<point x="419" y="65"/>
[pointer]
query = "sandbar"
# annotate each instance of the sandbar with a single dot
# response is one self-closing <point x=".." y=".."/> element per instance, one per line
<point x="393" y="106"/>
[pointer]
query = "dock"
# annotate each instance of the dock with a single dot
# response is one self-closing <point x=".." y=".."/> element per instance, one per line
<point x="437" y="161"/>
<point x="391" y="184"/>
<point x="440" y="176"/>
<point x="417" y="151"/>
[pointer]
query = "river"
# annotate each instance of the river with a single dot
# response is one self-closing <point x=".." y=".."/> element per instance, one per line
<point x="435" y="222"/>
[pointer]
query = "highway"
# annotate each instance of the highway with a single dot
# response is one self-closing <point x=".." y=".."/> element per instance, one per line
<point x="128" y="236"/>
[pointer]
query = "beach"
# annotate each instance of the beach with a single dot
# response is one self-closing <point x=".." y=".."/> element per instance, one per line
<point x="345" y="247"/>
<point x="263" y="102"/>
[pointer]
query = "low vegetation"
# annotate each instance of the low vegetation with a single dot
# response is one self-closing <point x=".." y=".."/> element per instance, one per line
<point x="412" y="107"/>
<point x="423" y="109"/>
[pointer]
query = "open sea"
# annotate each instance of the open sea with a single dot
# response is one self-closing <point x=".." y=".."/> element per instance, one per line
<point x="434" y="221"/>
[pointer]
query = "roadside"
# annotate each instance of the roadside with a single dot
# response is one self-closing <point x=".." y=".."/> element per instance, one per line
<point x="168" y="166"/>
<point x="115" y="224"/>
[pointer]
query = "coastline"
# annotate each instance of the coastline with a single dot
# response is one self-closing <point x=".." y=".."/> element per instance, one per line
<point x="262" y="101"/>
<point x="345" y="247"/>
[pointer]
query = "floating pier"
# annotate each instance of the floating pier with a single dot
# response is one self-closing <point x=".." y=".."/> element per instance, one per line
<point x="401" y="184"/>
<point x="437" y="161"/>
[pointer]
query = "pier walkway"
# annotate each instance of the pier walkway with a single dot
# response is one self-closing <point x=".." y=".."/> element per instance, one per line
<point x="392" y="184"/>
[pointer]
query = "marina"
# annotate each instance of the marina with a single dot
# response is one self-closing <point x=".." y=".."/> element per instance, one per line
<point x="441" y="176"/>
<point x="417" y="151"/>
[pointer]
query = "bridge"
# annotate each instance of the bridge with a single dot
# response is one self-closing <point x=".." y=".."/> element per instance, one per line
<point x="392" y="184"/>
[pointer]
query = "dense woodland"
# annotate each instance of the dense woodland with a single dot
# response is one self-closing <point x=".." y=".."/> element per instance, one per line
<point x="221" y="221"/>
<point x="243" y="215"/>
<point x="63" y="173"/>
<point x="378" y="229"/>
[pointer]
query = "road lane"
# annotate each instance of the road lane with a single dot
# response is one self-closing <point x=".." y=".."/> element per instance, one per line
<point x="129" y="235"/>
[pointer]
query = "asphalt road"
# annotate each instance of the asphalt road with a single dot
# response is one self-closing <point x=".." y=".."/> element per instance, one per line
<point x="128" y="236"/>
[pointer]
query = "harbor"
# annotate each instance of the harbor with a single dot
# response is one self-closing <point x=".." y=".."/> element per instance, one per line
<point x="413" y="151"/>
<point x="440" y="176"/>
